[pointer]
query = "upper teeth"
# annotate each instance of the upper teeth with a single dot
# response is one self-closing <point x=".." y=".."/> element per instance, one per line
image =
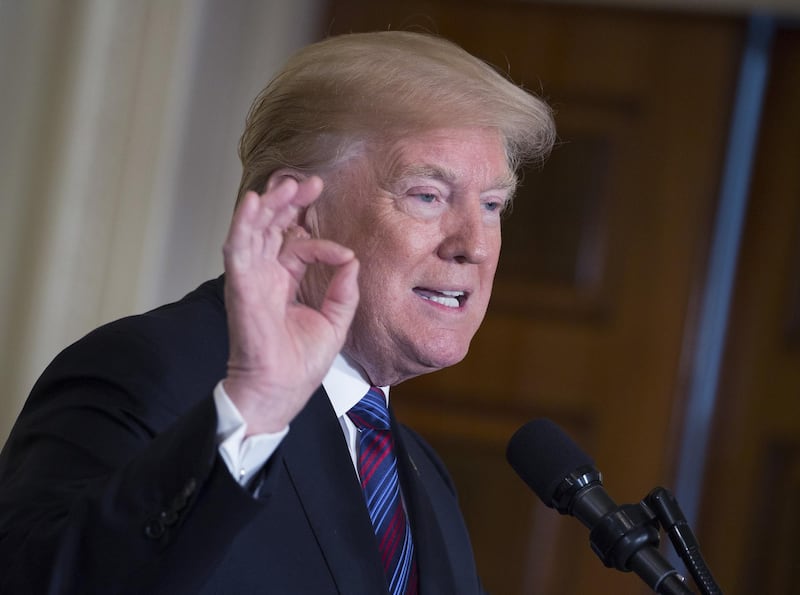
<point x="447" y="298"/>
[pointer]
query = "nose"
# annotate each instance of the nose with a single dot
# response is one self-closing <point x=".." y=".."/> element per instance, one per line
<point x="467" y="238"/>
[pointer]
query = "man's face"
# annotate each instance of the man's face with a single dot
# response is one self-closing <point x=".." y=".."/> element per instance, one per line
<point x="427" y="236"/>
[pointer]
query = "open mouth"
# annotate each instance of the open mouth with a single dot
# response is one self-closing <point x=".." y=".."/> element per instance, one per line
<point x="449" y="299"/>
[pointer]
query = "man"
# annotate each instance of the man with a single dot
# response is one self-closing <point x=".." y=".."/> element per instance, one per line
<point x="215" y="445"/>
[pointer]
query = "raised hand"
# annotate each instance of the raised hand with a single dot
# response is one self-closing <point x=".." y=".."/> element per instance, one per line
<point x="281" y="349"/>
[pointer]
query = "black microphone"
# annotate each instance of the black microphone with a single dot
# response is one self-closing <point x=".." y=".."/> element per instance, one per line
<point x="565" y="478"/>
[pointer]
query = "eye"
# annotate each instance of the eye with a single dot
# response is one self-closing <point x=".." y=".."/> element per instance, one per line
<point x="495" y="206"/>
<point x="427" y="197"/>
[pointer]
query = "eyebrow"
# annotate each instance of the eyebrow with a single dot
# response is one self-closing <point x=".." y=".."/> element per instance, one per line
<point x="505" y="182"/>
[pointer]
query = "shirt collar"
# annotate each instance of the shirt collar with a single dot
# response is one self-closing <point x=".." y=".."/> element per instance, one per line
<point x="345" y="386"/>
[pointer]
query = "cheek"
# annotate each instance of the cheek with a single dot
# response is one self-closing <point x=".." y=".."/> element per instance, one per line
<point x="489" y="268"/>
<point x="385" y="278"/>
<point x="380" y="281"/>
<point x="393" y="251"/>
<point x="493" y="260"/>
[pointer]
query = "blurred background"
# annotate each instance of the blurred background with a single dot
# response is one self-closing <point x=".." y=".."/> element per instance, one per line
<point x="648" y="298"/>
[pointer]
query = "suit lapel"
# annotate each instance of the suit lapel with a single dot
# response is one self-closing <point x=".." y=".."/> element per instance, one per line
<point x="440" y="538"/>
<point x="320" y="468"/>
<point x="434" y="575"/>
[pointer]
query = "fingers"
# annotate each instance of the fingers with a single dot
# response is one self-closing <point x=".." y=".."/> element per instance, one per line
<point x="264" y="232"/>
<point x="298" y="253"/>
<point x="341" y="297"/>
<point x="285" y="197"/>
<point x="238" y="239"/>
<point x="259" y="222"/>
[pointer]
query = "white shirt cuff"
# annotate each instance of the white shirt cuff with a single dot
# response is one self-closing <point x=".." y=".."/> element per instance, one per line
<point x="243" y="456"/>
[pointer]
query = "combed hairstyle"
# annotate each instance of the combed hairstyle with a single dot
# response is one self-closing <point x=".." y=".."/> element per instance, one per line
<point x="336" y="97"/>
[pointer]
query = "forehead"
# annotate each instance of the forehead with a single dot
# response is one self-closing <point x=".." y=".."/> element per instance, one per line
<point x="453" y="156"/>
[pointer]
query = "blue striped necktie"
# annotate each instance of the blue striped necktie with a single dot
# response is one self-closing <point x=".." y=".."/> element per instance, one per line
<point x="377" y="467"/>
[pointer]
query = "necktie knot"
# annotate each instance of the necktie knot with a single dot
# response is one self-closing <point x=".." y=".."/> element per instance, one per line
<point x="371" y="412"/>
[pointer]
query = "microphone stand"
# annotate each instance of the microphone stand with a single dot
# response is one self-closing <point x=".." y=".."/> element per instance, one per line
<point x="626" y="539"/>
<point x="665" y="507"/>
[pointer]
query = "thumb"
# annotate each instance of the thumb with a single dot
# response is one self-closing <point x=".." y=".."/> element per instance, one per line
<point x="341" y="298"/>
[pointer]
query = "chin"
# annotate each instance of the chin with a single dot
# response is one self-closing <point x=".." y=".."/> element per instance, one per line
<point x="443" y="354"/>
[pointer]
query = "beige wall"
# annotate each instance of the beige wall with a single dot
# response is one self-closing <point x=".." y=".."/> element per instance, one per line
<point x="118" y="128"/>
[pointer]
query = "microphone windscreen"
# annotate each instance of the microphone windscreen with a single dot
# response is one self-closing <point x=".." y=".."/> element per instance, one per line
<point x="543" y="455"/>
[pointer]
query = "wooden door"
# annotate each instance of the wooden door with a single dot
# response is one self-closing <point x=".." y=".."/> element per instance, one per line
<point x="750" y="517"/>
<point x="603" y="257"/>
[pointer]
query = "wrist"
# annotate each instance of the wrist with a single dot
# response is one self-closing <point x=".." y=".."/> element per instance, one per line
<point x="265" y="410"/>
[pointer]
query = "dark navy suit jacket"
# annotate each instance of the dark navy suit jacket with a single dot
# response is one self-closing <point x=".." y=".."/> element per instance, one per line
<point x="111" y="480"/>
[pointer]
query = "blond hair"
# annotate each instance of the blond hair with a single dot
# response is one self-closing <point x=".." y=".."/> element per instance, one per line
<point x="336" y="96"/>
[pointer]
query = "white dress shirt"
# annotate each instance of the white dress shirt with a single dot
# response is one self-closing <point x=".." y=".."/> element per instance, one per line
<point x="245" y="456"/>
